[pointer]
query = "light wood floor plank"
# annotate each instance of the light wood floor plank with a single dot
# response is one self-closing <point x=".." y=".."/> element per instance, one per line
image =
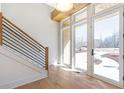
<point x="60" y="79"/>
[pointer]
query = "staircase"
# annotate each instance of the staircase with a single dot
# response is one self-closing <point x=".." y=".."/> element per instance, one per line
<point x="16" y="42"/>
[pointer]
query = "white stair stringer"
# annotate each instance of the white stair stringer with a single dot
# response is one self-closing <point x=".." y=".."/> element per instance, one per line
<point x="16" y="70"/>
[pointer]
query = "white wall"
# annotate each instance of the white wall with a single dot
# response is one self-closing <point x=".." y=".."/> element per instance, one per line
<point x="35" y="20"/>
<point x="0" y="7"/>
<point x="16" y="71"/>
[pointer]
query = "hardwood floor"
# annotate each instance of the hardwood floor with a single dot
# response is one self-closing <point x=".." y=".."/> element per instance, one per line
<point x="62" y="78"/>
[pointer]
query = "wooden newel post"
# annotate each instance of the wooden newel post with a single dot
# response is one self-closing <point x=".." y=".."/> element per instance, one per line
<point x="0" y="29"/>
<point x="46" y="58"/>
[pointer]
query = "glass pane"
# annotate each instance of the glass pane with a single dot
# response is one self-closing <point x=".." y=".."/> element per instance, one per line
<point x="81" y="47"/>
<point x="66" y="23"/>
<point x="66" y="46"/>
<point x="100" y="7"/>
<point x="106" y="46"/>
<point x="80" y="16"/>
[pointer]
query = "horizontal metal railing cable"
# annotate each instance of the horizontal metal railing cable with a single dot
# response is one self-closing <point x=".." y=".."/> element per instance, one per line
<point x="21" y="31"/>
<point x="26" y="50"/>
<point x="10" y="31"/>
<point x="16" y="39"/>
<point x="22" y="51"/>
<point x="21" y="35"/>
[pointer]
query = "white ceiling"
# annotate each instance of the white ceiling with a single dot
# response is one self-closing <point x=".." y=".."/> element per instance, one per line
<point x="52" y="4"/>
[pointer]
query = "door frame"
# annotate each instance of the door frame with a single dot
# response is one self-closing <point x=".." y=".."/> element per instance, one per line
<point x="117" y="8"/>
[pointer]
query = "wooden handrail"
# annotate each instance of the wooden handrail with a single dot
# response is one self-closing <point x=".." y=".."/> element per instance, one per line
<point x="0" y="28"/>
<point x="46" y="58"/>
<point x="16" y="39"/>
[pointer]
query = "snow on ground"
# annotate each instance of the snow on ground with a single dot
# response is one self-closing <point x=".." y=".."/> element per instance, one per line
<point x="107" y="67"/>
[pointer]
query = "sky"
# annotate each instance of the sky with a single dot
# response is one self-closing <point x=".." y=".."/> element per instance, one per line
<point x="102" y="28"/>
<point x="106" y="27"/>
<point x="81" y="32"/>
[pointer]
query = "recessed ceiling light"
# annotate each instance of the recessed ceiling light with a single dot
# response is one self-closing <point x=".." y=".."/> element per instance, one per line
<point x="64" y="7"/>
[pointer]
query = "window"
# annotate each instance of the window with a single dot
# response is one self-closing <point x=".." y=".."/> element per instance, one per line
<point x="81" y="46"/>
<point x="66" y="23"/>
<point x="66" y="47"/>
<point x="80" y="16"/>
<point x="94" y="44"/>
<point x="106" y="46"/>
<point x="100" y="7"/>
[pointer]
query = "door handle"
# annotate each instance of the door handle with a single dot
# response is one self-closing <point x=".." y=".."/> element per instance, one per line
<point x="92" y="52"/>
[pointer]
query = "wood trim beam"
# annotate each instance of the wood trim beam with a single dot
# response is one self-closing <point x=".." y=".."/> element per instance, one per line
<point x="58" y="15"/>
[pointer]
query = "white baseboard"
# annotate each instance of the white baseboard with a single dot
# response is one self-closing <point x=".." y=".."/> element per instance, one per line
<point x="17" y="83"/>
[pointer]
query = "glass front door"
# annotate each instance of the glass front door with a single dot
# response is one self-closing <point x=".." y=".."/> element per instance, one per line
<point x="81" y="47"/>
<point x="107" y="47"/>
